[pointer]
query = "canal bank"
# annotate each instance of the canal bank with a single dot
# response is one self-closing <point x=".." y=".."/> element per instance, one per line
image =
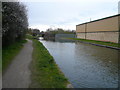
<point x="85" y="65"/>
<point x="45" y="72"/>
<point x="98" y="43"/>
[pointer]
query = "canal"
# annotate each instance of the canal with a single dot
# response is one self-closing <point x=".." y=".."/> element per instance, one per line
<point x="85" y="66"/>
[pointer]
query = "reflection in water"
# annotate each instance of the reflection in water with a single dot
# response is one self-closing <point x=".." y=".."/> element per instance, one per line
<point x="86" y="66"/>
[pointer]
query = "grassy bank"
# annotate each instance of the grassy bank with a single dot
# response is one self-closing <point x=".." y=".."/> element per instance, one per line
<point x="45" y="72"/>
<point x="8" y="53"/>
<point x="97" y="42"/>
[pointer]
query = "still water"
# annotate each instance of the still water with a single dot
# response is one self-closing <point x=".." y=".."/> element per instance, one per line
<point x="85" y="66"/>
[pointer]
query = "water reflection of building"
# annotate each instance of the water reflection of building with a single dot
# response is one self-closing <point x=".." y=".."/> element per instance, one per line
<point x="105" y="29"/>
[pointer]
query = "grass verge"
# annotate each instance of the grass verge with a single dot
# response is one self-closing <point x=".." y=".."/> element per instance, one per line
<point x="8" y="53"/>
<point x="45" y="72"/>
<point x="97" y="42"/>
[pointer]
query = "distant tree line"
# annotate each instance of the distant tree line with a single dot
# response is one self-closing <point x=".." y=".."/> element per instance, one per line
<point x="33" y="32"/>
<point x="60" y="31"/>
<point x="50" y="33"/>
<point x="14" y="22"/>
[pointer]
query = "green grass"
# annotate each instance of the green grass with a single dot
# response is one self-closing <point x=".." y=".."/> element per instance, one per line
<point x="45" y="72"/>
<point x="8" y="53"/>
<point x="28" y="36"/>
<point x="97" y="42"/>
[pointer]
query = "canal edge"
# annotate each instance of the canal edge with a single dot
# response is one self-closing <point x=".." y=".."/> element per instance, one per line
<point x="99" y="45"/>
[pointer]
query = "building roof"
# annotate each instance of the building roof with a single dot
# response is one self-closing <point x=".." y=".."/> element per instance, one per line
<point x="99" y="19"/>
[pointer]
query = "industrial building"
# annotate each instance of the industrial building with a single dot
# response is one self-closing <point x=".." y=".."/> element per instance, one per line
<point x="105" y="29"/>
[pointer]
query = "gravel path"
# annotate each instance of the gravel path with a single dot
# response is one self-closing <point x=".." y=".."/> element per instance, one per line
<point x="18" y="73"/>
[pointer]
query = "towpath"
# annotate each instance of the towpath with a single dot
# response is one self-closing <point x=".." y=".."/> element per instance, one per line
<point x="18" y="73"/>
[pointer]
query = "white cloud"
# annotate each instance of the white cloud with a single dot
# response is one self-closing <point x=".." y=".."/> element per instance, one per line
<point x="46" y="13"/>
<point x="45" y="27"/>
<point x="40" y="27"/>
<point x="82" y="1"/>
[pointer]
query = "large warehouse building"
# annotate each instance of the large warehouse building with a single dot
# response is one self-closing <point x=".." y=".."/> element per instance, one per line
<point x="105" y="29"/>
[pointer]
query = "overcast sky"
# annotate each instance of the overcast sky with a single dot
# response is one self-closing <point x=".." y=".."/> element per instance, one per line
<point x="67" y="14"/>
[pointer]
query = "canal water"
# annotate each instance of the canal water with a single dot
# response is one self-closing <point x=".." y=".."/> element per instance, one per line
<point x="85" y="66"/>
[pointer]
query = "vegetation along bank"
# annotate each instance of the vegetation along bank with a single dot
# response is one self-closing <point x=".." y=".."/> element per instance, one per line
<point x="45" y="72"/>
<point x="14" y="28"/>
<point x="98" y="43"/>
